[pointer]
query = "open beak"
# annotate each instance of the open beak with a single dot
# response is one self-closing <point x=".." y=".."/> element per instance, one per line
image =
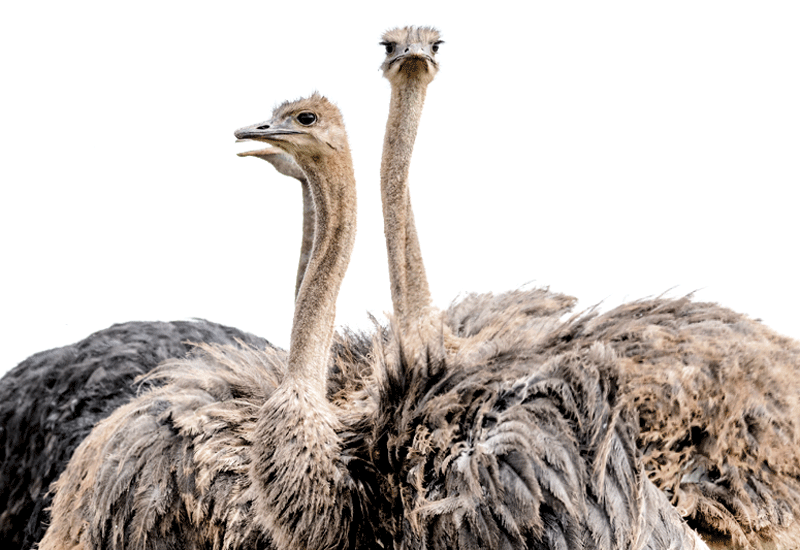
<point x="258" y="152"/>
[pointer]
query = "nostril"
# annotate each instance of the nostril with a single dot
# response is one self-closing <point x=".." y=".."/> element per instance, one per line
<point x="406" y="50"/>
<point x="265" y="127"/>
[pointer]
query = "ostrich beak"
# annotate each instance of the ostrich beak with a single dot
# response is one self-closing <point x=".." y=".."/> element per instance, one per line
<point x="267" y="151"/>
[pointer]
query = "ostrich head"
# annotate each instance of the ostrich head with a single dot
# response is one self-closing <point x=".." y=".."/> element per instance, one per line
<point x="308" y="129"/>
<point x="411" y="54"/>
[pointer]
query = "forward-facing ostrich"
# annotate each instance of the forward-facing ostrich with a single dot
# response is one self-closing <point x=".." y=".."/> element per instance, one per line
<point x="720" y="437"/>
<point x="240" y="448"/>
<point x="284" y="164"/>
<point x="479" y="458"/>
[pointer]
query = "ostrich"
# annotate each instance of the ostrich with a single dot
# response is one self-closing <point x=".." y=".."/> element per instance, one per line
<point x="302" y="479"/>
<point x="80" y="384"/>
<point x="463" y="483"/>
<point x="719" y="437"/>
<point x="284" y="164"/>
<point x="241" y="448"/>
<point x="734" y="494"/>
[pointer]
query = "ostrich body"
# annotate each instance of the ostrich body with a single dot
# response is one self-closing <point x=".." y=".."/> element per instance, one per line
<point x="50" y="402"/>
<point x="519" y="450"/>
<point x="718" y="404"/>
<point x="240" y="448"/>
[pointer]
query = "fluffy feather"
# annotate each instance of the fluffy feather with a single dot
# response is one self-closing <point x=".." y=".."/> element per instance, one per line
<point x="521" y="448"/>
<point x="52" y="400"/>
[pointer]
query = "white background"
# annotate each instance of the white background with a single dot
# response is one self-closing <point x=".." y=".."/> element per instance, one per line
<point x="609" y="150"/>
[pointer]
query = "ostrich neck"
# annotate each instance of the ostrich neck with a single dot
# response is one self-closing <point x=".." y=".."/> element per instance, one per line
<point x="409" y="284"/>
<point x="303" y="484"/>
<point x="308" y="235"/>
<point x="333" y="239"/>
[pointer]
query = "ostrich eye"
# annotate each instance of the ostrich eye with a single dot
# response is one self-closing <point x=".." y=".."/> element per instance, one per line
<point x="306" y="118"/>
<point x="389" y="48"/>
<point x="435" y="48"/>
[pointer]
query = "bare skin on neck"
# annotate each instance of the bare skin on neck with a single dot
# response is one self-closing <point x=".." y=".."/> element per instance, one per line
<point x="409" y="66"/>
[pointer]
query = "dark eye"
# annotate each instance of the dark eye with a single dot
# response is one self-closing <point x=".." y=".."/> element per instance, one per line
<point x="389" y="48"/>
<point x="435" y="48"/>
<point x="306" y="118"/>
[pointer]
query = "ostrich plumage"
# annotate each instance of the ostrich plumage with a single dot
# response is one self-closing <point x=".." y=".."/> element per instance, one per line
<point x="509" y="444"/>
<point x="718" y="401"/>
<point x="176" y="460"/>
<point x="716" y="397"/>
<point x="500" y="448"/>
<point x="51" y="401"/>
